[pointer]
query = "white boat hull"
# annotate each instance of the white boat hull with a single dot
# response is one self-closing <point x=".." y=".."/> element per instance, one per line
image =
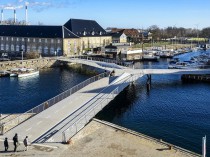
<point x="13" y="75"/>
<point x="28" y="74"/>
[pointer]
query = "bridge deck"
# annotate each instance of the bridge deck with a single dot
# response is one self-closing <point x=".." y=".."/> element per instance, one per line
<point x="120" y="69"/>
<point x="49" y="124"/>
<point x="40" y="124"/>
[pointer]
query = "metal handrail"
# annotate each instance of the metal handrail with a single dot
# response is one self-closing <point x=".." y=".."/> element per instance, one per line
<point x="106" y="60"/>
<point x="128" y="79"/>
<point x="19" y="119"/>
<point x="122" y="63"/>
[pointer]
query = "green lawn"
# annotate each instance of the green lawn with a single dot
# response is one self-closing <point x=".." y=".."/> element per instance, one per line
<point x="157" y="44"/>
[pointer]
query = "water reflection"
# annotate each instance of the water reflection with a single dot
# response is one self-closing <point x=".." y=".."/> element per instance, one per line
<point x="122" y="103"/>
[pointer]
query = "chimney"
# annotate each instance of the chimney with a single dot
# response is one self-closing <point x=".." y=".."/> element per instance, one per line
<point x="15" y="18"/>
<point x="26" y="20"/>
<point x="2" y="16"/>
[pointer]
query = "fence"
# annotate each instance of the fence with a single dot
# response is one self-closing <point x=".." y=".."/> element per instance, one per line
<point x="10" y="123"/>
<point x="95" y="108"/>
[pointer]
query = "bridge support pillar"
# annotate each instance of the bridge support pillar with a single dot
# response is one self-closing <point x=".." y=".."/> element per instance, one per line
<point x="149" y="82"/>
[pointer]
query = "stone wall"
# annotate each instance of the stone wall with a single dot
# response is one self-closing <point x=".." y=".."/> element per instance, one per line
<point x="32" y="63"/>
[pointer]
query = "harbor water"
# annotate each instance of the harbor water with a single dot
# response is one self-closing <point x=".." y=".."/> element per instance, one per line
<point x="174" y="111"/>
<point x="18" y="95"/>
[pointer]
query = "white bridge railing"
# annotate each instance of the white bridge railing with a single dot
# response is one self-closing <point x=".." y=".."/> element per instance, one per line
<point x="97" y="106"/>
<point x="11" y="121"/>
<point x="106" y="60"/>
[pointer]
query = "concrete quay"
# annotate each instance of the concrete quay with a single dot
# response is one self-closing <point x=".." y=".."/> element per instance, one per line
<point x="103" y="139"/>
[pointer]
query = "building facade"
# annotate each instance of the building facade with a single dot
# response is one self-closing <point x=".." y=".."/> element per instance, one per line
<point x="53" y="40"/>
<point x="133" y="35"/>
<point x="91" y="34"/>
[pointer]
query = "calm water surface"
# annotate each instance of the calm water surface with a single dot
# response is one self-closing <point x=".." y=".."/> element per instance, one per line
<point x="21" y="94"/>
<point x="174" y="111"/>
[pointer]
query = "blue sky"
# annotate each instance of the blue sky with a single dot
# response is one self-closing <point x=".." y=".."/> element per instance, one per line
<point x="114" y="13"/>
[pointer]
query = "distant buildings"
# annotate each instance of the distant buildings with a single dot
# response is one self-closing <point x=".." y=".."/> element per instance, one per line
<point x="73" y="38"/>
<point x="129" y="35"/>
<point x="132" y="34"/>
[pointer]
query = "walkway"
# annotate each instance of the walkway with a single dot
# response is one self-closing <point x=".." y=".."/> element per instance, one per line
<point x="48" y="125"/>
<point x="120" y="69"/>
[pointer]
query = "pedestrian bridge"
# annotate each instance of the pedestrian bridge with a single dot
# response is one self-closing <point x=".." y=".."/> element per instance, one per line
<point x="108" y="64"/>
<point x="61" y="117"/>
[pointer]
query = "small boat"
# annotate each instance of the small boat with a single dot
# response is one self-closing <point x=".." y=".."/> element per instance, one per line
<point x="149" y="55"/>
<point x="13" y="74"/>
<point x="183" y="65"/>
<point x="23" y="72"/>
<point x="28" y="72"/>
<point x="166" y="54"/>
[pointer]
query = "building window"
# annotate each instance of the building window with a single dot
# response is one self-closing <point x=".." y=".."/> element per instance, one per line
<point x="40" y="49"/>
<point x="2" y="38"/>
<point x="52" y="41"/>
<point x="58" y="51"/>
<point x="22" y="39"/>
<point x="93" y="33"/>
<point x="52" y="50"/>
<point x="28" y="39"/>
<point x="46" y="50"/>
<point x="17" y="48"/>
<point x="45" y="40"/>
<point x="12" y="48"/>
<point x="28" y="49"/>
<point x="12" y="38"/>
<point x="23" y="47"/>
<point x="2" y="46"/>
<point x="7" y="38"/>
<point x="40" y="40"/>
<point x="84" y="33"/>
<point x="59" y="41"/>
<point x="7" y="47"/>
<point x="17" y="39"/>
<point x="34" y="49"/>
<point x="34" y="40"/>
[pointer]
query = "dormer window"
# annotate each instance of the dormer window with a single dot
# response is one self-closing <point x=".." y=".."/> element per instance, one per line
<point x="100" y="33"/>
<point x="84" y="33"/>
<point x="93" y="33"/>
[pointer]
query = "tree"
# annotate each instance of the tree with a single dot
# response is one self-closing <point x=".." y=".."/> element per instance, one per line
<point x="205" y="32"/>
<point x="156" y="33"/>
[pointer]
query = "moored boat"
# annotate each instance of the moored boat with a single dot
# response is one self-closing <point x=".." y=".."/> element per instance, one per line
<point x="166" y="54"/>
<point x="28" y="72"/>
<point x="150" y="55"/>
<point x="23" y="72"/>
<point x="183" y="65"/>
